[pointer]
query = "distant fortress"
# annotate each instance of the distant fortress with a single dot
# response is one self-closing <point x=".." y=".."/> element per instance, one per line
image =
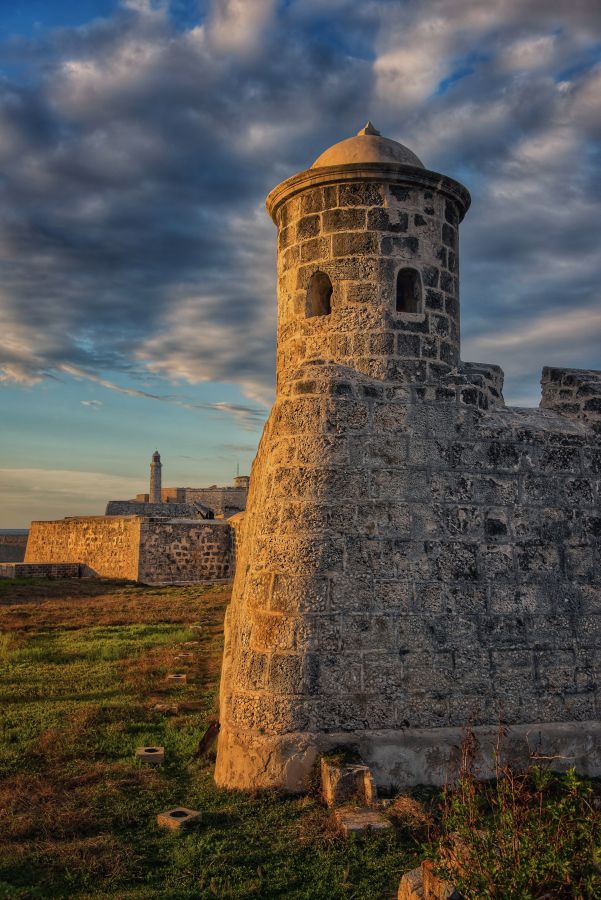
<point x="169" y="535"/>
<point x="214" y="502"/>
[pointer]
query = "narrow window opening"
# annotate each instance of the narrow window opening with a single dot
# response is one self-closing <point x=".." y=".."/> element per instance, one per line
<point x="408" y="291"/>
<point x="319" y="295"/>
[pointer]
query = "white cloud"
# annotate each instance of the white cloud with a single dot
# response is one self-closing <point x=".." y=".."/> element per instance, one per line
<point x="529" y="52"/>
<point x="238" y="25"/>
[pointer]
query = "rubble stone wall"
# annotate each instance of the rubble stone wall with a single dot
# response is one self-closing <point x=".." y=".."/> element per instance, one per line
<point x="176" y="550"/>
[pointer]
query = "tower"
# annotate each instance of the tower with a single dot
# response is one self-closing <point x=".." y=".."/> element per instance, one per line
<point x="416" y="557"/>
<point x="155" y="478"/>
<point x="368" y="325"/>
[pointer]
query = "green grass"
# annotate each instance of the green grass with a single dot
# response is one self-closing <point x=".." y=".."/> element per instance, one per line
<point x="81" y="665"/>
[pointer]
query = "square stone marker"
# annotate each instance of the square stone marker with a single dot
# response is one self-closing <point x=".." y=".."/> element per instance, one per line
<point x="177" y="678"/>
<point x="359" y="820"/>
<point x="180" y="817"/>
<point x="153" y="755"/>
<point x="183" y="657"/>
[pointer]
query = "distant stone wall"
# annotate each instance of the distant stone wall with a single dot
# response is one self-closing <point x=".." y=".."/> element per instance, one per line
<point x="107" y="546"/>
<point x="40" y="570"/>
<point x="185" y="551"/>
<point x="12" y="547"/>
<point x="136" y="548"/>
<point x="168" y="510"/>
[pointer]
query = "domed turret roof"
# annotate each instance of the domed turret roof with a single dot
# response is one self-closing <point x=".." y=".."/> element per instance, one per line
<point x="367" y="146"/>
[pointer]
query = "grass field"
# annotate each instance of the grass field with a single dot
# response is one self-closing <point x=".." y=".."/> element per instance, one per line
<point x="81" y="666"/>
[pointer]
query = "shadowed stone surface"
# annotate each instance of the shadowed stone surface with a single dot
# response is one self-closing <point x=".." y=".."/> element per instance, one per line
<point x="415" y="556"/>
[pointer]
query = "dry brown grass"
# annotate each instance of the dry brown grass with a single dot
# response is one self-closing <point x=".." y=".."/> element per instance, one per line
<point x="82" y="603"/>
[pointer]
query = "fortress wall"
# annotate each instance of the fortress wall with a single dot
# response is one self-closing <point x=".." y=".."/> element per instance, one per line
<point x="12" y="547"/>
<point x="108" y="546"/>
<point x="439" y="567"/>
<point x="179" y="550"/>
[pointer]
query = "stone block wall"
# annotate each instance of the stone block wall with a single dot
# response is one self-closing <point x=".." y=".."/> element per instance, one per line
<point x="412" y="563"/>
<point x="40" y="570"/>
<point x="416" y="557"/>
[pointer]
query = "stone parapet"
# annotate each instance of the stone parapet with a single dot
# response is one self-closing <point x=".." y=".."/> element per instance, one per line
<point x="574" y="393"/>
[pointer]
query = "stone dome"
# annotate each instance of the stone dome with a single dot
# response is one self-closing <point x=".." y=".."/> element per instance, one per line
<point x="367" y="146"/>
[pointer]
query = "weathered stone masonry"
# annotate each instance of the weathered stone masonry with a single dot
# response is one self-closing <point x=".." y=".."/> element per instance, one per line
<point x="416" y="556"/>
<point x="136" y="548"/>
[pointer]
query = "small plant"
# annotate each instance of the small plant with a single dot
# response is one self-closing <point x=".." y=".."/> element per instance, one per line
<point x="531" y="834"/>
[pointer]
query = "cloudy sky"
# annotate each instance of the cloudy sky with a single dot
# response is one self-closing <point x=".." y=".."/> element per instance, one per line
<point x="138" y="140"/>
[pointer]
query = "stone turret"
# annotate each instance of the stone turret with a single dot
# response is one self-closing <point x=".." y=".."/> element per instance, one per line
<point x="155" y="478"/>
<point x="368" y="262"/>
<point x="415" y="556"/>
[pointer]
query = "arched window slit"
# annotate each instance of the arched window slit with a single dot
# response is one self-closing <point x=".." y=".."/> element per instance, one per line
<point x="319" y="295"/>
<point x="408" y="291"/>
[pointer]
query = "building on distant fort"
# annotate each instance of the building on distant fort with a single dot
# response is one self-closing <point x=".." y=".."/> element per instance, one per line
<point x="416" y="556"/>
<point x="170" y="535"/>
<point x="219" y="502"/>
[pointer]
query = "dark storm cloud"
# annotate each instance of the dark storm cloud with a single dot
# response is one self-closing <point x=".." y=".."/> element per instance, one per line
<point x="136" y="153"/>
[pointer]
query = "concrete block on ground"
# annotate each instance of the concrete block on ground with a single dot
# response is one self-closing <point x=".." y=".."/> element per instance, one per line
<point x="360" y="820"/>
<point x="154" y="756"/>
<point x="423" y="884"/>
<point x="344" y="782"/>
<point x="176" y="678"/>
<point x="179" y="817"/>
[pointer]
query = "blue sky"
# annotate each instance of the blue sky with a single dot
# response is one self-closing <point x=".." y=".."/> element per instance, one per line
<point x="137" y="143"/>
